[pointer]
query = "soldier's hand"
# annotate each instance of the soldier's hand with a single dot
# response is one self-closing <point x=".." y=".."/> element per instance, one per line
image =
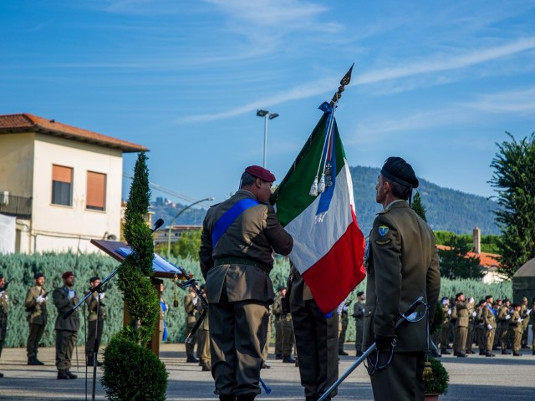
<point x="40" y="299"/>
<point x="489" y="327"/>
<point x="385" y="343"/>
<point x="507" y="317"/>
<point x="101" y="295"/>
<point x="71" y="294"/>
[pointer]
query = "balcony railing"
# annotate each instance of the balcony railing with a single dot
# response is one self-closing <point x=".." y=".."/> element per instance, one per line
<point x="14" y="205"/>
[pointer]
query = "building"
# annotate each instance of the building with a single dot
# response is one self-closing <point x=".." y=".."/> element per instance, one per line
<point x="60" y="186"/>
<point x="176" y="230"/>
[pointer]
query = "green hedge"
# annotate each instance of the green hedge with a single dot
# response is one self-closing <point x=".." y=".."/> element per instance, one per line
<point x="21" y="268"/>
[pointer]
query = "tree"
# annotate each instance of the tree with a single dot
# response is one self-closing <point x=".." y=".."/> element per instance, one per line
<point x="188" y="245"/>
<point x="418" y="206"/>
<point x="455" y="261"/>
<point x="514" y="180"/>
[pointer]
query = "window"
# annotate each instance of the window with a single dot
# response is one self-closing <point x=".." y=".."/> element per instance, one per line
<point x="96" y="191"/>
<point x="61" y="185"/>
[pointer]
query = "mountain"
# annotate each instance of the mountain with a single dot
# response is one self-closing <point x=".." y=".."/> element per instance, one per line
<point x="446" y="209"/>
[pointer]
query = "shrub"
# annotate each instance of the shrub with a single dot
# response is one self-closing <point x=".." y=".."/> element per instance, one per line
<point x="441" y="378"/>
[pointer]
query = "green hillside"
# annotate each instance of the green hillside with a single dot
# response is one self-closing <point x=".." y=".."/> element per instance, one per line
<point x="447" y="209"/>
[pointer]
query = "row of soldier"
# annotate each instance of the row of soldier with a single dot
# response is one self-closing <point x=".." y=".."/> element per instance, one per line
<point x="64" y="299"/>
<point x="491" y="325"/>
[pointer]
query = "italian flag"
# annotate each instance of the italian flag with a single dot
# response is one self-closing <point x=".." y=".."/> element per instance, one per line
<point x="315" y="204"/>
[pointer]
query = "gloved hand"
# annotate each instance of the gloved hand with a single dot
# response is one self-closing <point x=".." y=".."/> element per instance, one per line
<point x="101" y="295"/>
<point x="449" y="311"/>
<point x="507" y="317"/>
<point x="195" y="300"/>
<point x="520" y="320"/>
<point x="40" y="299"/>
<point x="474" y="314"/>
<point x="384" y="343"/>
<point x="489" y="327"/>
<point x="71" y="294"/>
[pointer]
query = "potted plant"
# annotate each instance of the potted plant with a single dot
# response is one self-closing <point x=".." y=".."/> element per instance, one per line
<point x="439" y="381"/>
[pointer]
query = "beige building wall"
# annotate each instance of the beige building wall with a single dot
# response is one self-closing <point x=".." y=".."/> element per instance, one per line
<point x="16" y="163"/>
<point x="63" y="228"/>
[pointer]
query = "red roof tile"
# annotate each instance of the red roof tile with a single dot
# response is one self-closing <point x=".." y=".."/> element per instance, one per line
<point x="13" y="123"/>
<point x="485" y="259"/>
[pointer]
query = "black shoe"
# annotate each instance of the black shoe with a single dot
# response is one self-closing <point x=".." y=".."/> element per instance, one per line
<point x="265" y="366"/>
<point x="192" y="359"/>
<point x="297" y="361"/>
<point x="343" y="353"/>
<point x="1" y="375"/>
<point x="288" y="359"/>
<point x="482" y="353"/>
<point x="90" y="363"/>
<point x="206" y="367"/>
<point x="34" y="361"/>
<point x="506" y="353"/>
<point x="278" y="356"/>
<point x="516" y="354"/>
<point x="469" y="351"/>
<point x="489" y="354"/>
<point x="461" y="355"/>
<point x="62" y="375"/>
<point x="445" y="352"/>
<point x="455" y="353"/>
<point x="71" y="375"/>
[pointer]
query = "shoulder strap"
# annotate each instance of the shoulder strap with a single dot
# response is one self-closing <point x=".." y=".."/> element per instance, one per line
<point x="225" y="221"/>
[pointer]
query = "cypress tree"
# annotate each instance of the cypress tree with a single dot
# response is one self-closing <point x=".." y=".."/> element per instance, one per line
<point x="418" y="206"/>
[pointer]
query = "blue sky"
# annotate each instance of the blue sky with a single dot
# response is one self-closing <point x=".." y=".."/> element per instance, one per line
<point x="436" y="82"/>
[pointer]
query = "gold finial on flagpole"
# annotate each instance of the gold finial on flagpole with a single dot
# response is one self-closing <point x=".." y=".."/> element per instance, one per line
<point x="343" y="82"/>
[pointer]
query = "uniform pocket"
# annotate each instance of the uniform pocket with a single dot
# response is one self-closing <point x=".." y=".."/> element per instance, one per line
<point x="368" y="335"/>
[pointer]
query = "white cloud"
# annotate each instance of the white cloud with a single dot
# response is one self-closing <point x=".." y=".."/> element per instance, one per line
<point x="518" y="101"/>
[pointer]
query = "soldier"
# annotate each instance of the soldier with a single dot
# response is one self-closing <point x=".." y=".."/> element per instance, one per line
<point x="344" y="321"/>
<point x="35" y="304"/>
<point x="288" y="338"/>
<point x="480" y="327"/>
<point x="203" y="336"/>
<point x="238" y="239"/>
<point x="497" y="306"/>
<point x="402" y="266"/>
<point x="95" y="322"/>
<point x="190" y="306"/>
<point x="358" y="314"/>
<point x="532" y="315"/>
<point x="524" y="314"/>
<point x="66" y="329"/>
<point x="461" y="328"/>
<point x="265" y="351"/>
<point x="516" y="325"/>
<point x="316" y="337"/>
<point x="504" y="314"/>
<point x="445" y="328"/>
<point x="4" y="309"/>
<point x="276" y="308"/>
<point x="489" y="323"/>
<point x="470" y="336"/>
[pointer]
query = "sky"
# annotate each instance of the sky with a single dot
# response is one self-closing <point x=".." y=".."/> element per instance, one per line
<point x="436" y="82"/>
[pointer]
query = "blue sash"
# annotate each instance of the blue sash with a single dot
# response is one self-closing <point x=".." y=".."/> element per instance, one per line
<point x="229" y="217"/>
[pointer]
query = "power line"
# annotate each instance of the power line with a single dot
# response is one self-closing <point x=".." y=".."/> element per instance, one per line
<point x="159" y="188"/>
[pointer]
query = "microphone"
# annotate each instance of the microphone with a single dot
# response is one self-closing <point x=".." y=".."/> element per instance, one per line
<point x="157" y="225"/>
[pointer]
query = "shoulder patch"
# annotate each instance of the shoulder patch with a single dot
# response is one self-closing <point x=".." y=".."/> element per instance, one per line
<point x="388" y="241"/>
<point x="383" y="230"/>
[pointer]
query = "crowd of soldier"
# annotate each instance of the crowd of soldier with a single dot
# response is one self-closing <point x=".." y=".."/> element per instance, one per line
<point x="490" y="324"/>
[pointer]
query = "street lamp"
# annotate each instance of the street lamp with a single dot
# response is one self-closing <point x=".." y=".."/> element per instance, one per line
<point x="266" y="114"/>
<point x="211" y="198"/>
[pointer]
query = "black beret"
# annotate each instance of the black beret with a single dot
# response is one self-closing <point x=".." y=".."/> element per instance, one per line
<point x="398" y="170"/>
<point x="281" y="288"/>
<point x="38" y="275"/>
<point x="360" y="293"/>
<point x="93" y="279"/>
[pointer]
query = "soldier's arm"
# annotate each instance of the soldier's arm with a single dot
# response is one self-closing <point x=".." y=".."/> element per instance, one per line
<point x="433" y="283"/>
<point x="30" y="301"/>
<point x="188" y="304"/>
<point x="278" y="237"/>
<point x="60" y="299"/>
<point x="205" y="252"/>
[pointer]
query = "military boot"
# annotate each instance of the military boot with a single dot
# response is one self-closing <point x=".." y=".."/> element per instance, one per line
<point x="71" y="375"/>
<point x="34" y="361"/>
<point x="62" y="375"/>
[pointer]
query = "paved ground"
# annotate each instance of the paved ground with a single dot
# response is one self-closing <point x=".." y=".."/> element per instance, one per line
<point x="475" y="378"/>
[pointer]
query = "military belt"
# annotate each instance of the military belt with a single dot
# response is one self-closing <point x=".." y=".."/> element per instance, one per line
<point x="242" y="261"/>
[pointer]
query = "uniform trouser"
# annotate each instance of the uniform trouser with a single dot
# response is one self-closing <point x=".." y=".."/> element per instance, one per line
<point x="470" y="337"/>
<point x="517" y="340"/>
<point x="190" y="347"/>
<point x="525" y="325"/>
<point x="34" y="337"/>
<point x="3" y="331"/>
<point x="237" y="338"/>
<point x="265" y="351"/>
<point x="94" y="333"/>
<point x="359" y="329"/>
<point x="278" y="335"/>
<point x="65" y="343"/>
<point x="444" y="333"/>
<point x="343" y="329"/>
<point x="401" y="380"/>
<point x="203" y="345"/>
<point x="480" y="337"/>
<point x="533" y="336"/>
<point x="317" y="347"/>
<point x="489" y="336"/>
<point x="461" y="335"/>
<point x="504" y="336"/>
<point x="287" y="336"/>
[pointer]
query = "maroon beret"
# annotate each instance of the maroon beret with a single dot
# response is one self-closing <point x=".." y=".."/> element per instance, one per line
<point x="260" y="172"/>
<point x="67" y="274"/>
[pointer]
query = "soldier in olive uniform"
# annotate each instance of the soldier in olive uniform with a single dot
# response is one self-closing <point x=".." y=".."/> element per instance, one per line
<point x="402" y="266"/>
<point x="35" y="304"/>
<point x="471" y="325"/>
<point x="532" y="318"/>
<point x="276" y="309"/>
<point x="203" y="336"/>
<point x="66" y="329"/>
<point x="480" y="327"/>
<point x="489" y="323"/>
<point x="95" y="323"/>
<point x="316" y="337"/>
<point x="288" y="337"/>
<point x="191" y="302"/>
<point x="238" y="239"/>
<point x="342" y="325"/>
<point x="4" y="309"/>
<point x="504" y="314"/>
<point x="358" y="314"/>
<point x="516" y="326"/>
<point x="445" y="328"/>
<point x="461" y="327"/>
<point x="524" y="315"/>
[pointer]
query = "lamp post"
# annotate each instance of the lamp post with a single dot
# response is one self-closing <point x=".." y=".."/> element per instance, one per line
<point x="176" y="217"/>
<point x="266" y="114"/>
